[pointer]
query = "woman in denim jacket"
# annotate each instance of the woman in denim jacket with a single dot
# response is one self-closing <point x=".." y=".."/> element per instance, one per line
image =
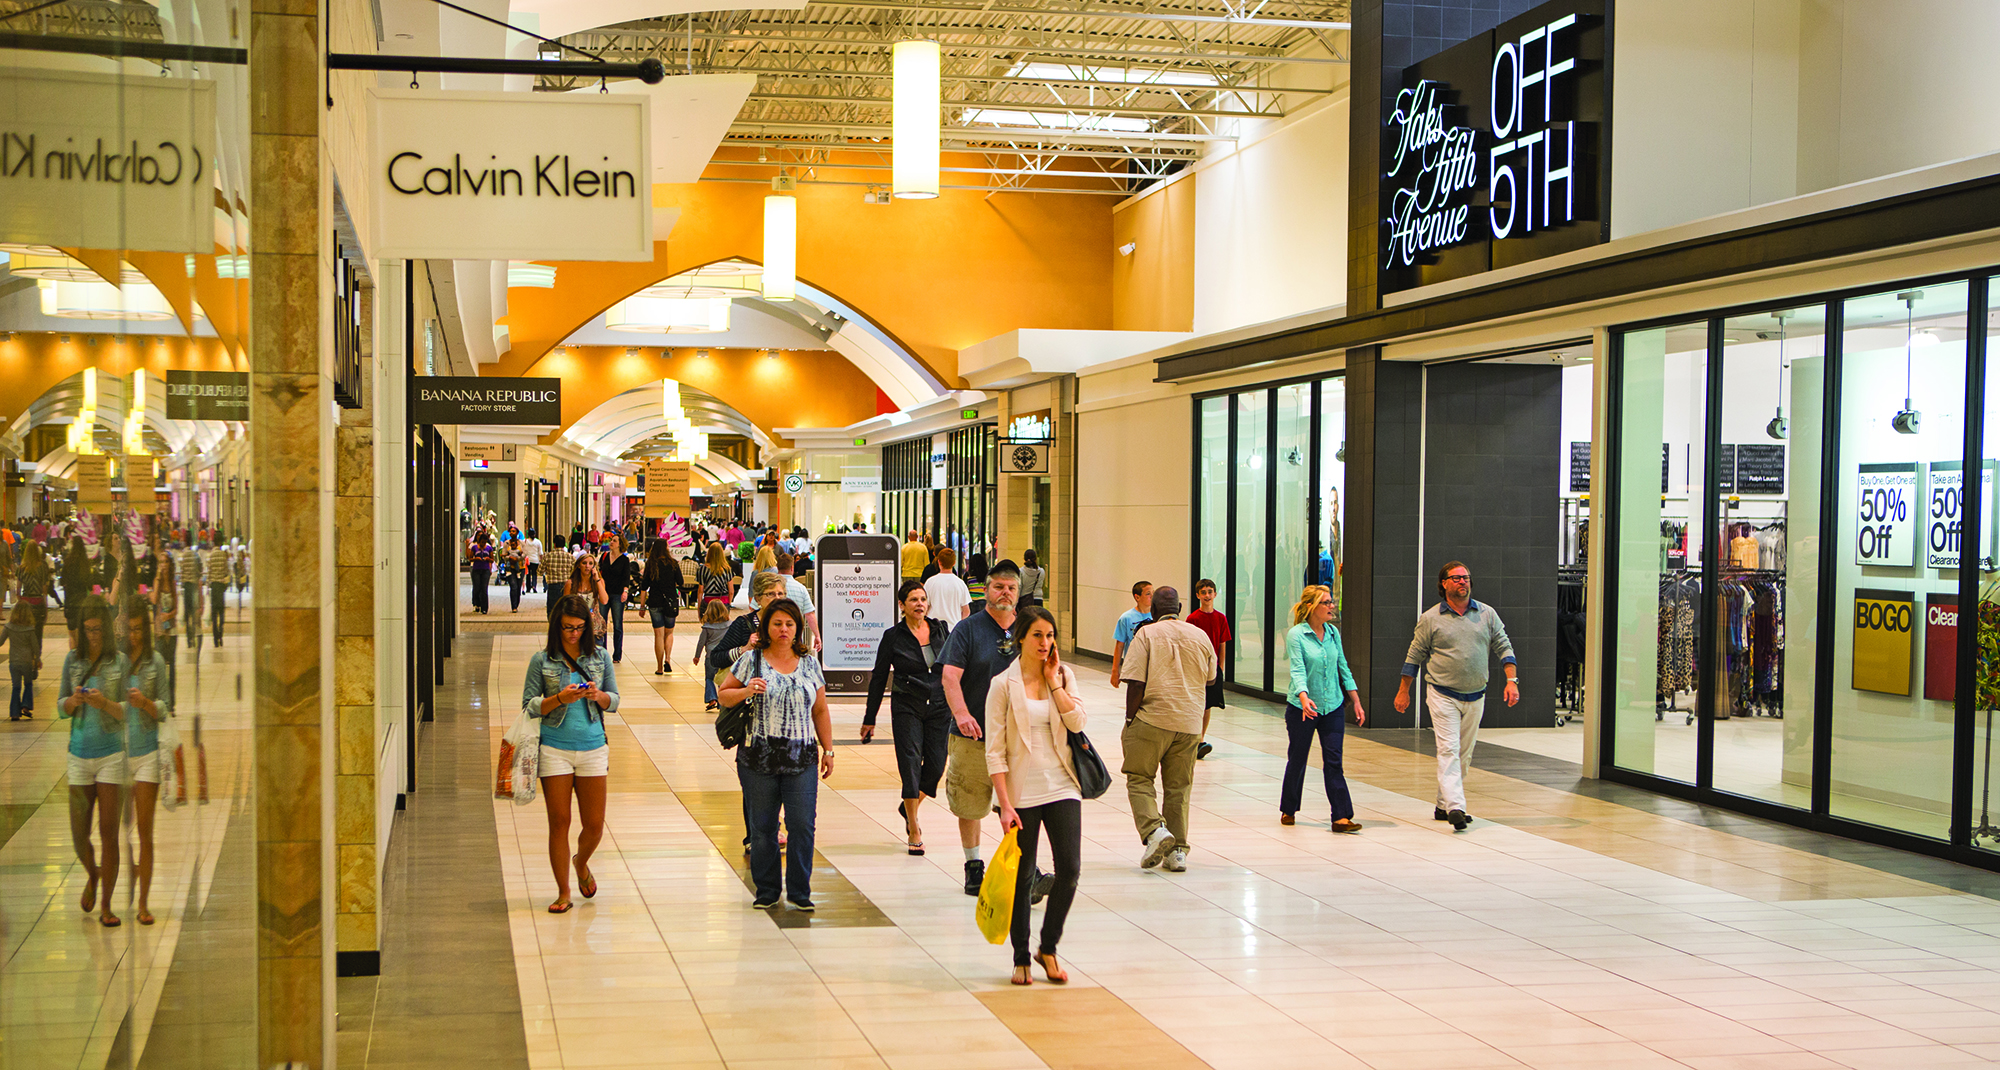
<point x="570" y="685"/>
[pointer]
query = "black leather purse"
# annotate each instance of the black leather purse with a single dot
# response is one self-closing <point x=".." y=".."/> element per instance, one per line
<point x="732" y="723"/>
<point x="1092" y="777"/>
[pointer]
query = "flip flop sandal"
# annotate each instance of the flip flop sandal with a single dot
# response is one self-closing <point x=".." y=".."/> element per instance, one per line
<point x="561" y="908"/>
<point x="109" y="921"/>
<point x="145" y="918"/>
<point x="588" y="885"/>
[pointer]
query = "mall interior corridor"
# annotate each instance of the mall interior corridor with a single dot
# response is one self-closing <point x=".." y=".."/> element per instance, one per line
<point x="1562" y="929"/>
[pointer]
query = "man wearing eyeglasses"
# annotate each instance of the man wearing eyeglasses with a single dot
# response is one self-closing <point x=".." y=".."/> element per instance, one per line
<point x="1455" y="641"/>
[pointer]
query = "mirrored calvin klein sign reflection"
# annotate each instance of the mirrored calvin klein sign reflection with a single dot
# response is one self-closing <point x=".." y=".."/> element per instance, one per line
<point x="552" y="176"/>
<point x="1489" y="150"/>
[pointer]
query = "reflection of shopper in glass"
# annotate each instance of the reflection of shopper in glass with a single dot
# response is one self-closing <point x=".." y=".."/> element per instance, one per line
<point x="91" y="695"/>
<point x="1030" y="712"/>
<point x="1322" y="689"/>
<point x="481" y="557"/>
<point x="1454" y="641"/>
<point x="570" y="685"/>
<point x="149" y="699"/>
<point x="913" y="651"/>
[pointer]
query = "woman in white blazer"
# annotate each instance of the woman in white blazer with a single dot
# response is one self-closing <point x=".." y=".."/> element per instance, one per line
<point x="1030" y="711"/>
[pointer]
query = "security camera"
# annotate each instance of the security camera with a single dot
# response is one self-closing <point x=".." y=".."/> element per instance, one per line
<point x="1907" y="422"/>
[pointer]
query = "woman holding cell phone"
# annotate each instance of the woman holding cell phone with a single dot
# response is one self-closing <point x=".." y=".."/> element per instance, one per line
<point x="571" y="686"/>
<point x="92" y="696"/>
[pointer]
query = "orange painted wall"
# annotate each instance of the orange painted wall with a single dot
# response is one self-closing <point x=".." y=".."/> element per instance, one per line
<point x="1153" y="289"/>
<point x="31" y="363"/>
<point x="938" y="275"/>
<point x="797" y="388"/>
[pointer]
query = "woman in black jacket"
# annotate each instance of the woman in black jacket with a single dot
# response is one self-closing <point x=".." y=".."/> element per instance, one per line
<point x="662" y="581"/>
<point x="914" y="651"/>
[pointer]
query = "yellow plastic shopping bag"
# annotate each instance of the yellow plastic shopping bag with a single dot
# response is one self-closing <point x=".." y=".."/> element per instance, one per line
<point x="996" y="893"/>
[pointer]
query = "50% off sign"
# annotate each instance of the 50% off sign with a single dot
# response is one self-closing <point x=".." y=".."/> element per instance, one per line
<point x="1886" y="528"/>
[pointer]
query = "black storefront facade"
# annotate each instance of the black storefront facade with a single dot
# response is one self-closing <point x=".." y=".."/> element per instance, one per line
<point x="1758" y="541"/>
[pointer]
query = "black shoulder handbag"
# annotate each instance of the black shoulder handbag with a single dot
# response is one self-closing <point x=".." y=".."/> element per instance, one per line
<point x="1093" y="778"/>
<point x="732" y="723"/>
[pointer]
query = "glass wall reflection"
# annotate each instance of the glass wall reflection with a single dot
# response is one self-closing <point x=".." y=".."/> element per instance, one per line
<point x="126" y="848"/>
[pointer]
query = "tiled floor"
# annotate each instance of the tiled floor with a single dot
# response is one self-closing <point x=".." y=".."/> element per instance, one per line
<point x="1559" y="931"/>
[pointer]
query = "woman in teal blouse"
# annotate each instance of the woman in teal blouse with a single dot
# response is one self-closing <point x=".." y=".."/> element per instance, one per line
<point x="91" y="696"/>
<point x="1322" y="689"/>
<point x="149" y="699"/>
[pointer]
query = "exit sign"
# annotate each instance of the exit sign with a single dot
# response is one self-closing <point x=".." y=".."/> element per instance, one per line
<point x="968" y="414"/>
<point x="861" y="442"/>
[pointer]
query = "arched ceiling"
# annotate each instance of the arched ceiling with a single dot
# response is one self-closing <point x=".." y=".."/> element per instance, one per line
<point x="173" y="442"/>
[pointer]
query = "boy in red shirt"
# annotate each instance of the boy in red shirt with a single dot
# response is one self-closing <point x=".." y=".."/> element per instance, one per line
<point x="1216" y="625"/>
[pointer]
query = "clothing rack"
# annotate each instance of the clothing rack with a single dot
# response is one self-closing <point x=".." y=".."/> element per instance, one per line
<point x="1570" y="617"/>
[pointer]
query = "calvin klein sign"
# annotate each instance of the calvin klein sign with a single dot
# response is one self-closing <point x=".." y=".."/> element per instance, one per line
<point x="103" y="161"/>
<point x="479" y="399"/>
<point x="512" y="176"/>
<point x="1493" y="149"/>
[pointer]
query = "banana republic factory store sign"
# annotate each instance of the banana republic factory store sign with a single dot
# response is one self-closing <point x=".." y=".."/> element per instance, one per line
<point x="512" y="176"/>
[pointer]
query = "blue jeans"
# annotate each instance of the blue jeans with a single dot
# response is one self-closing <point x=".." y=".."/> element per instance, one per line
<point x="616" y="611"/>
<point x="21" y="696"/>
<point x="1330" y="727"/>
<point x="763" y="795"/>
<point x="707" y="682"/>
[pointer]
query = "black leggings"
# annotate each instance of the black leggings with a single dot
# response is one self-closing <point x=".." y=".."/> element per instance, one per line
<point x="921" y="742"/>
<point x="1064" y="820"/>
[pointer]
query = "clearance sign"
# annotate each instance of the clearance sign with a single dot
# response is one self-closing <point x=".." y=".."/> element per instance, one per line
<point x="1884" y="631"/>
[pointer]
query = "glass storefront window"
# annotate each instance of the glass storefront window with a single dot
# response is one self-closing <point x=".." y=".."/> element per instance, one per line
<point x="1247" y="593"/>
<point x="1268" y="483"/>
<point x="1663" y="435"/>
<point x="1985" y="614"/>
<point x="1767" y="509"/>
<point x="1901" y="437"/>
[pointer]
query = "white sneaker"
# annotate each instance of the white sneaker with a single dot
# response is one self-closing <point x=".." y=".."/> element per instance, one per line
<point x="1157" y="846"/>
<point x="1177" y="861"/>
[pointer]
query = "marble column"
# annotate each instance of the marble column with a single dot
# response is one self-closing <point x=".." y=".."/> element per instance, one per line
<point x="1062" y="503"/>
<point x="354" y="683"/>
<point x="289" y="462"/>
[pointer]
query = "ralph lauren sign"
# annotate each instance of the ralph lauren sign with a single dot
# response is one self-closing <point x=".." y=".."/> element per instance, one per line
<point x="1494" y="151"/>
<point x="476" y="399"/>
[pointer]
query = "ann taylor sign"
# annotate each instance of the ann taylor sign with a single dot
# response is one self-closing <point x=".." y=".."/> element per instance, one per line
<point x="512" y="176"/>
<point x="1494" y="150"/>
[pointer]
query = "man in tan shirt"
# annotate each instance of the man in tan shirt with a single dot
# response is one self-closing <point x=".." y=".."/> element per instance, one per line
<point x="1167" y="669"/>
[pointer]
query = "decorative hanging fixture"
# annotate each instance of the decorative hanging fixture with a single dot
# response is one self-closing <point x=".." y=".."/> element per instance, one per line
<point x="1779" y="427"/>
<point x="670" y="401"/>
<point x="57" y="267"/>
<point x="1908" y="421"/>
<point x="137" y="302"/>
<point x="781" y="247"/>
<point x="664" y="315"/>
<point x="81" y="437"/>
<point x="916" y="118"/>
<point x="135" y="416"/>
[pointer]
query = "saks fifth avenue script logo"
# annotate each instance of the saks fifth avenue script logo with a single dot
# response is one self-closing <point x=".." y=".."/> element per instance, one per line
<point x="1520" y="163"/>
<point x="550" y="176"/>
<point x="163" y="164"/>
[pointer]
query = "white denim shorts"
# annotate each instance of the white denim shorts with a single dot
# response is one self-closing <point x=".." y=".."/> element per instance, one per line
<point x="109" y="769"/>
<point x="146" y="768"/>
<point x="556" y="761"/>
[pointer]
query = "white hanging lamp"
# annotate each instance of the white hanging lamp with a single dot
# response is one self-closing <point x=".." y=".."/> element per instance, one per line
<point x="781" y="247"/>
<point x="916" y="118"/>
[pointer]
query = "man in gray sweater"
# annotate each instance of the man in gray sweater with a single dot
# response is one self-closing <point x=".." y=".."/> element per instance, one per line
<point x="1455" y="641"/>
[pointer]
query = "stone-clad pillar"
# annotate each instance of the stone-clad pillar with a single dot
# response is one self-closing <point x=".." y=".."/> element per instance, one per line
<point x="290" y="456"/>
<point x="354" y="796"/>
<point x="1061" y="564"/>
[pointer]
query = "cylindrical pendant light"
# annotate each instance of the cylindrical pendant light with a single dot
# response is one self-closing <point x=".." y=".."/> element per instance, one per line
<point x="914" y="133"/>
<point x="781" y="247"/>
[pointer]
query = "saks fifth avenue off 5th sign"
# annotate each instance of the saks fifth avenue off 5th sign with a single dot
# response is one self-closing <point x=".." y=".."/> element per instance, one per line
<point x="512" y="176"/>
<point x="106" y="161"/>
<point x="1494" y="150"/>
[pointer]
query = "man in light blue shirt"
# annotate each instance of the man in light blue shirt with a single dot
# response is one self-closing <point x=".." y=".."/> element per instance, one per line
<point x="797" y="592"/>
<point x="1454" y="642"/>
<point x="1140" y="613"/>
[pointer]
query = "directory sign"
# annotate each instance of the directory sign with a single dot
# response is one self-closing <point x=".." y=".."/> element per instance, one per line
<point x="856" y="577"/>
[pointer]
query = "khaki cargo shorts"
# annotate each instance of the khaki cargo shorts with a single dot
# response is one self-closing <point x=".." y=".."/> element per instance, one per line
<point x="968" y="790"/>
